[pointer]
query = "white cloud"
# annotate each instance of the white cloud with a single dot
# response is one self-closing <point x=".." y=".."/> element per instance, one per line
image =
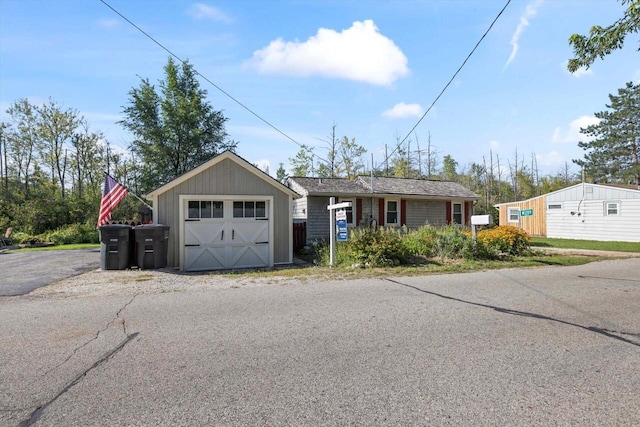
<point x="572" y="135"/>
<point x="530" y="11"/>
<point x="551" y="159"/>
<point x="402" y="110"/>
<point x="108" y="23"/>
<point x="358" y="53"/>
<point x="203" y="11"/>
<point x="582" y="71"/>
<point x="637" y="77"/>
<point x="264" y="165"/>
<point x="494" y="145"/>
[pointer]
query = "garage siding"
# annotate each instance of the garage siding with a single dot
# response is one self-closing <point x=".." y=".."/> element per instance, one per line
<point x="226" y="178"/>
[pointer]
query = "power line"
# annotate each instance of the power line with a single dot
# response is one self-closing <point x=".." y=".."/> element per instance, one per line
<point x="205" y="78"/>
<point x="447" y="85"/>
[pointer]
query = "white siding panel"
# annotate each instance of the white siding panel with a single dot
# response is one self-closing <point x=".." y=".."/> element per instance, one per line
<point x="300" y="209"/>
<point x="593" y="224"/>
<point x="592" y="192"/>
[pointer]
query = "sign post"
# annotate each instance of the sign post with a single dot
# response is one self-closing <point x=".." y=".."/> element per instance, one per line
<point x="333" y="206"/>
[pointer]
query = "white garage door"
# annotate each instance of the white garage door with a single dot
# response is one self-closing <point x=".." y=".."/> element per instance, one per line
<point x="226" y="234"/>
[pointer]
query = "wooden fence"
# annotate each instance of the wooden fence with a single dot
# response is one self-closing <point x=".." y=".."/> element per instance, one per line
<point x="299" y="236"/>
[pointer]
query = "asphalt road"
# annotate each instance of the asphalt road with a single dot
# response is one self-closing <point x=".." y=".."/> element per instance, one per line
<point x="22" y="272"/>
<point x="518" y="347"/>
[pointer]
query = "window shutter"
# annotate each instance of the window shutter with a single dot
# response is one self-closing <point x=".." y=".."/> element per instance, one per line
<point x="358" y="211"/>
<point x="403" y="212"/>
<point x="381" y="211"/>
<point x="468" y="206"/>
<point x="448" y="212"/>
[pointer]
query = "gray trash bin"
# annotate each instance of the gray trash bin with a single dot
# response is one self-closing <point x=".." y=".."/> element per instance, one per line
<point x="115" y="246"/>
<point x="152" y="244"/>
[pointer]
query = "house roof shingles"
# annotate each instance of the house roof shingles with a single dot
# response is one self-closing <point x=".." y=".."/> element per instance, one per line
<point x="383" y="185"/>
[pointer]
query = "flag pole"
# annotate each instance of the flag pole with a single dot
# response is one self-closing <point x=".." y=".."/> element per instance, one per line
<point x="143" y="202"/>
<point x="133" y="194"/>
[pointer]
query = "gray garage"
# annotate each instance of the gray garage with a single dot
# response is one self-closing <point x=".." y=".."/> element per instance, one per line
<point x="225" y="214"/>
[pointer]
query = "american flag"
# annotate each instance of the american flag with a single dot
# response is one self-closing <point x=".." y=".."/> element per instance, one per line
<point x="112" y="193"/>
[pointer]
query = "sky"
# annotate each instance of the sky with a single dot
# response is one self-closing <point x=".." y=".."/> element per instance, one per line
<point x="285" y="72"/>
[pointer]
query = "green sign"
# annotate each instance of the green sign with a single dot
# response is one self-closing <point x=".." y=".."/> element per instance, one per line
<point x="526" y="212"/>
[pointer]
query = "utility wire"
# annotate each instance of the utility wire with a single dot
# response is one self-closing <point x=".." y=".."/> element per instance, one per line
<point x="206" y="79"/>
<point x="446" y="86"/>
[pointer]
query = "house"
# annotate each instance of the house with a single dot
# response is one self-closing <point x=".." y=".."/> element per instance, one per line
<point x="582" y="211"/>
<point x="225" y="214"/>
<point x="380" y="201"/>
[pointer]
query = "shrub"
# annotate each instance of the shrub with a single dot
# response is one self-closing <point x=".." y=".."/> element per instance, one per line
<point x="422" y="241"/>
<point x="376" y="248"/>
<point x="453" y="242"/>
<point x="506" y="239"/>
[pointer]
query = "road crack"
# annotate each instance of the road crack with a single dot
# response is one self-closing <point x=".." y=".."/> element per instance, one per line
<point x="601" y="331"/>
<point x="97" y="335"/>
<point x="37" y="413"/>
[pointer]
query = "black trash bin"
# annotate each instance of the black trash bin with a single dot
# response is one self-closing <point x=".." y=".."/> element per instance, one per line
<point x="115" y="246"/>
<point x="152" y="244"/>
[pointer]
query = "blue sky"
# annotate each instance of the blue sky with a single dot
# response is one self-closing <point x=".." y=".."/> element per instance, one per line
<point x="370" y="67"/>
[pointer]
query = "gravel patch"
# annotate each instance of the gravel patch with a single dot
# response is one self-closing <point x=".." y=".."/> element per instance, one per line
<point x="122" y="282"/>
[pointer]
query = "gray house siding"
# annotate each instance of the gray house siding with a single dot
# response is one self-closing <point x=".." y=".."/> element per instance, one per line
<point x="226" y="178"/>
<point x="317" y="218"/>
<point x="423" y="212"/>
<point x="419" y="213"/>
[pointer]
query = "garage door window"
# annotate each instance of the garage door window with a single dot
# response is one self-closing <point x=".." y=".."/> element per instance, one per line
<point x="199" y="209"/>
<point x="249" y="210"/>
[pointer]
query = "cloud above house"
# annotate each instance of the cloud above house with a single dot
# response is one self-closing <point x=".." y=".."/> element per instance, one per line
<point x="530" y="11"/>
<point x="360" y="53"/>
<point x="403" y="111"/>
<point x="571" y="134"/>
<point x="552" y="158"/>
<point x="203" y="11"/>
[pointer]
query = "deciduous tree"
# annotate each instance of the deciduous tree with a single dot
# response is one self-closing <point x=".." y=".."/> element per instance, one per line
<point x="174" y="128"/>
<point x="601" y="41"/>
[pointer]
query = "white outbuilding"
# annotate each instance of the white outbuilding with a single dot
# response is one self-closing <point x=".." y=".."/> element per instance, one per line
<point x="583" y="211"/>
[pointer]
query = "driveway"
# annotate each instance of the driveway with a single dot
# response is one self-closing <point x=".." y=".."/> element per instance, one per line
<point x="23" y="272"/>
<point x="555" y="346"/>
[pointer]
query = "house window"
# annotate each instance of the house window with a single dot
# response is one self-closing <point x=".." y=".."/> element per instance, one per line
<point x="199" y="209"/>
<point x="514" y="214"/>
<point x="611" y="208"/>
<point x="392" y="214"/>
<point x="249" y="209"/>
<point x="349" y="211"/>
<point x="456" y="213"/>
<point x="554" y="206"/>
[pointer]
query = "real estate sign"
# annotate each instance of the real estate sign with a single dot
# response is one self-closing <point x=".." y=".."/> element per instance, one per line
<point x="341" y="225"/>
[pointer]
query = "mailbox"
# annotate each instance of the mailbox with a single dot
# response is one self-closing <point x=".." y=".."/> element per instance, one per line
<point x="481" y="220"/>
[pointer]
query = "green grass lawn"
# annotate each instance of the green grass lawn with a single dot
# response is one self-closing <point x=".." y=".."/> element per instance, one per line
<point x="543" y="242"/>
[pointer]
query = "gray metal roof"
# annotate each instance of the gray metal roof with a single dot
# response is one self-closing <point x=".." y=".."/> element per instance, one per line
<point x="383" y="185"/>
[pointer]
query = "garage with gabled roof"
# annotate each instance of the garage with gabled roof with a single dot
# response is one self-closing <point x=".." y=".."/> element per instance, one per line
<point x="225" y="214"/>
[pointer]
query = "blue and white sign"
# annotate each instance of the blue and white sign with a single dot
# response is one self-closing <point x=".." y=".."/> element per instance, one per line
<point x="341" y="225"/>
